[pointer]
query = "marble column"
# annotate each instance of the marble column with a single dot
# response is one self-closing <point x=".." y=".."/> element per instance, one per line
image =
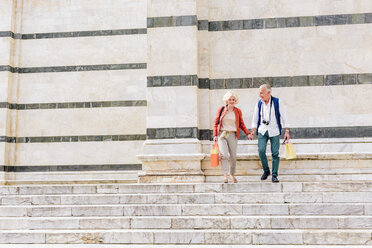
<point x="172" y="151"/>
<point x="11" y="24"/>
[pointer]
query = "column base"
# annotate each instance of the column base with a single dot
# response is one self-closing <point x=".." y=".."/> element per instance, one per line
<point x="175" y="168"/>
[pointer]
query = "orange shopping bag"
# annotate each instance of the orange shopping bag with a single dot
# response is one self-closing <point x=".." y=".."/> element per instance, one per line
<point x="214" y="155"/>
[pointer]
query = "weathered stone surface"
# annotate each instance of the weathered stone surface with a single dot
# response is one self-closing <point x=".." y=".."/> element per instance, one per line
<point x="12" y="211"/>
<point x="327" y="209"/>
<point x="151" y="222"/>
<point x="75" y="238"/>
<point x="18" y="200"/>
<point x="351" y="222"/>
<point x="170" y="199"/>
<point x="249" y="198"/>
<point x="128" y="237"/>
<point x="228" y="237"/>
<point x="98" y="211"/>
<point x="205" y="188"/>
<point x="182" y="237"/>
<point x="348" y="237"/>
<point x="347" y="197"/>
<point x="157" y="210"/>
<point x="344" y="187"/>
<point x="250" y="223"/>
<point x="133" y="199"/>
<point x="21" y="238"/>
<point x="212" y="209"/>
<point x="303" y="197"/>
<point x="196" y="199"/>
<point x="277" y="237"/>
<point x="15" y="223"/>
<point x="272" y="209"/>
<point x="305" y="223"/>
<point x="200" y="223"/>
<point x="46" y="200"/>
<point x="104" y="223"/>
<point x="53" y="223"/>
<point x="49" y="211"/>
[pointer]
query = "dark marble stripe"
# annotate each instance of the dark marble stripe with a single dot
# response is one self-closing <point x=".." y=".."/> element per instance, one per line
<point x="6" y="34"/>
<point x="295" y="81"/>
<point x="289" y="22"/>
<point x="72" y="68"/>
<point x="56" y="168"/>
<point x="331" y="132"/>
<point x="83" y="138"/>
<point x="202" y="134"/>
<point x="73" y="34"/>
<point x="84" y="68"/>
<point x="67" y="105"/>
<point x="7" y="68"/>
<point x="171" y="21"/>
<point x="311" y="133"/>
<point x="172" y="133"/>
<point x="204" y="83"/>
<point x="243" y="83"/>
<point x="203" y="25"/>
<point x="179" y="80"/>
<point x="84" y="33"/>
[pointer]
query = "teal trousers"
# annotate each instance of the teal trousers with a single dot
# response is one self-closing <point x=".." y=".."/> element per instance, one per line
<point x="275" y="143"/>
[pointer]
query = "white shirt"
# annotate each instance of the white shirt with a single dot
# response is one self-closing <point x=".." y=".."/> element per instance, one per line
<point x="273" y="127"/>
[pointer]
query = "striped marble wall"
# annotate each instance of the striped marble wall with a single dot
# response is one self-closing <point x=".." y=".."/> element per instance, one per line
<point x="79" y="101"/>
<point x="83" y="87"/>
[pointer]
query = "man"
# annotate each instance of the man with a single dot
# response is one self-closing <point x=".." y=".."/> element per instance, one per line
<point x="269" y="119"/>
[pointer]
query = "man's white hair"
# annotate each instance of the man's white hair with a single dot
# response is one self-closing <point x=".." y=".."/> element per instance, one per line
<point x="267" y="87"/>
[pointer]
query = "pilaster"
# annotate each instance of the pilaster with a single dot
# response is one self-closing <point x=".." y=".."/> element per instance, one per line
<point x="172" y="151"/>
<point x="10" y="80"/>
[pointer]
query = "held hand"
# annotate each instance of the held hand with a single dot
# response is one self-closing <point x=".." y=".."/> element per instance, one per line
<point x="286" y="137"/>
<point x="251" y="136"/>
<point x="215" y="138"/>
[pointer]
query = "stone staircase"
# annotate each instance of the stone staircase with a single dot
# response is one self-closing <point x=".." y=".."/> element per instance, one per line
<point x="323" y="213"/>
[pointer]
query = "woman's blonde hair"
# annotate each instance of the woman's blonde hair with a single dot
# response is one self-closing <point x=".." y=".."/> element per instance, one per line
<point x="229" y="94"/>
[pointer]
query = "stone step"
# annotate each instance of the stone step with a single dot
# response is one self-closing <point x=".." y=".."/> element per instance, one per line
<point x="300" y="178"/>
<point x="312" y="171"/>
<point x="86" y="177"/>
<point x="241" y="187"/>
<point x="189" y="198"/>
<point x="170" y="246"/>
<point x="188" y="209"/>
<point x="256" y="237"/>
<point x="69" y="182"/>
<point x="187" y="222"/>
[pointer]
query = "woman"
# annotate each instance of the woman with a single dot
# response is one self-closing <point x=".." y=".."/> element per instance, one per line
<point x="226" y="130"/>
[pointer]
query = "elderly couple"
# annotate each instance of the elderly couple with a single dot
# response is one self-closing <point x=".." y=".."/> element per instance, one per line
<point x="268" y="120"/>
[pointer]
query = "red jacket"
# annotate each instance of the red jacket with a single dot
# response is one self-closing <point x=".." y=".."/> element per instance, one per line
<point x="238" y="118"/>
